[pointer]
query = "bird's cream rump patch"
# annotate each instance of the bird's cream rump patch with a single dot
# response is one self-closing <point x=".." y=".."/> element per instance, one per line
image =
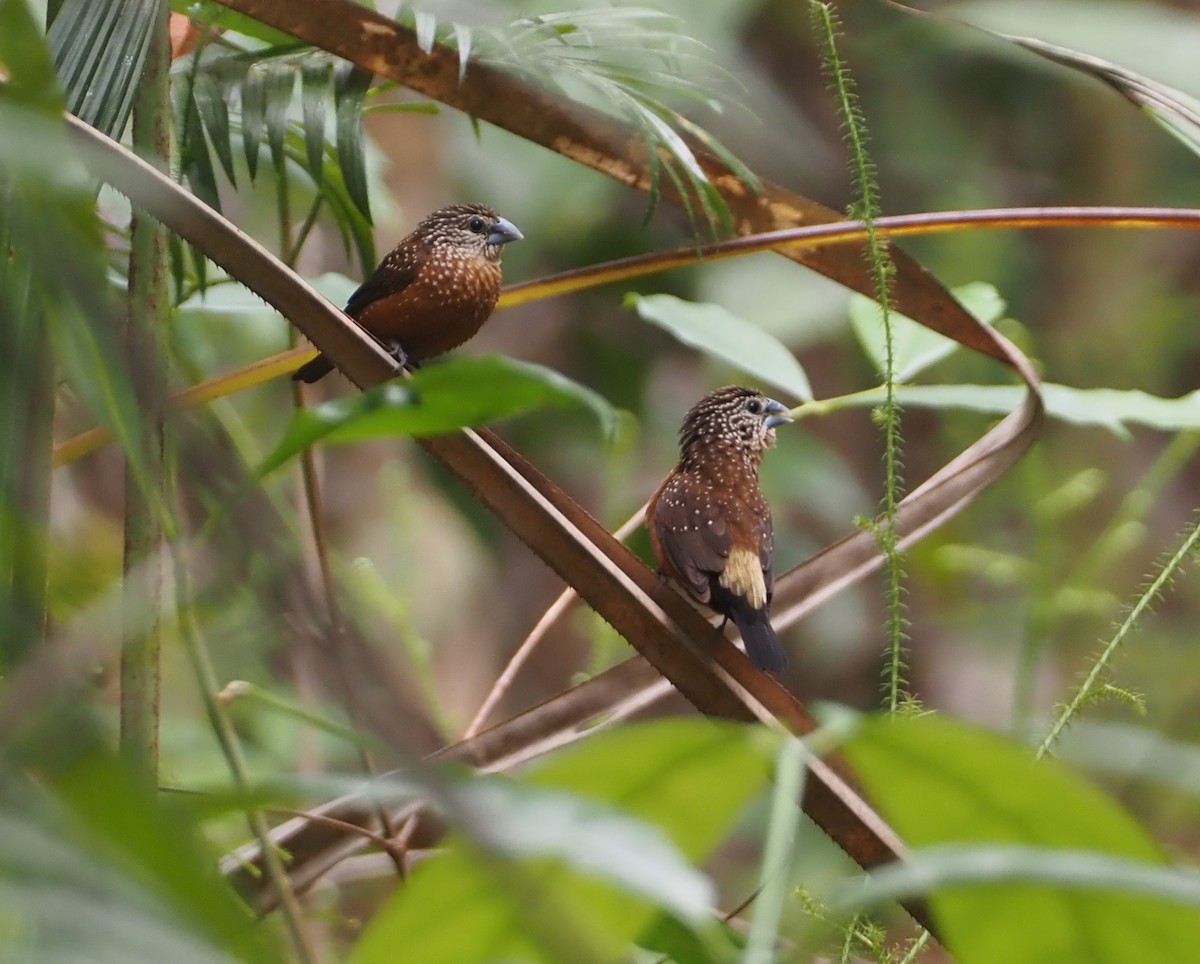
<point x="743" y="576"/>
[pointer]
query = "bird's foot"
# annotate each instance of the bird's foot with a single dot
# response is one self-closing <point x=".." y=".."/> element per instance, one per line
<point x="396" y="350"/>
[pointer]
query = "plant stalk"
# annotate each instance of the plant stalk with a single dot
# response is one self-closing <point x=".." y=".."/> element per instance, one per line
<point x="149" y="308"/>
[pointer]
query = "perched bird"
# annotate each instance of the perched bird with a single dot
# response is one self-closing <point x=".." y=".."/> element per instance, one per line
<point x="710" y="525"/>
<point x="436" y="288"/>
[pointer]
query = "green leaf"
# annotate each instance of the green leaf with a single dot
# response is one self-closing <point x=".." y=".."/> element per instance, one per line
<point x="316" y="79"/>
<point x="254" y="107"/>
<point x="53" y="236"/>
<point x="1131" y="753"/>
<point x="354" y="226"/>
<point x="437" y="399"/>
<point x="939" y="781"/>
<point x="1109" y="408"/>
<point x="351" y="85"/>
<point x="936" y="868"/>
<point x="470" y="908"/>
<point x="622" y="806"/>
<point x="208" y="92"/>
<point x="664" y="771"/>
<point x="722" y="335"/>
<point x="279" y="86"/>
<point x="915" y="347"/>
<point x="158" y="842"/>
<point x="195" y="162"/>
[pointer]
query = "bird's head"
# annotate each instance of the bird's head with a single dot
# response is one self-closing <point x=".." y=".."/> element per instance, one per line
<point x="470" y="227"/>
<point x="736" y="416"/>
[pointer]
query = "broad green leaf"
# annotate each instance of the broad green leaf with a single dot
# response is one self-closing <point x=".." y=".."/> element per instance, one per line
<point x="437" y="399"/>
<point x="724" y="336"/>
<point x="59" y="898"/>
<point x="592" y="837"/>
<point x="1131" y="752"/>
<point x="663" y="772"/>
<point x="1110" y="408"/>
<point x="915" y="347"/>
<point x="952" y="865"/>
<point x="350" y="85"/>
<point x="939" y="781"/>
<point x="605" y="808"/>
<point x="471" y="908"/>
<point x="158" y="843"/>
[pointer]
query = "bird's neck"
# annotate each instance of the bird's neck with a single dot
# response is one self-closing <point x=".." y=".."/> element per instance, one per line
<point x="707" y="452"/>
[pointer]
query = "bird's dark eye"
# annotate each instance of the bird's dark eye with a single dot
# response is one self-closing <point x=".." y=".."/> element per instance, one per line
<point x="476" y="225"/>
<point x="754" y="406"/>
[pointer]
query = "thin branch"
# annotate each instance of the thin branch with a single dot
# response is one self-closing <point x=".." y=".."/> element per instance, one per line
<point x="530" y="643"/>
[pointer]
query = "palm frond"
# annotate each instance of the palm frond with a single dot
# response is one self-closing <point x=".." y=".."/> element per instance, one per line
<point x="630" y="60"/>
<point x="634" y="62"/>
<point x="99" y="49"/>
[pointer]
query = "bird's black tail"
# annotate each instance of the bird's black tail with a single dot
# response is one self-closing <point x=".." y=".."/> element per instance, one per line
<point x="762" y="645"/>
<point x="313" y="371"/>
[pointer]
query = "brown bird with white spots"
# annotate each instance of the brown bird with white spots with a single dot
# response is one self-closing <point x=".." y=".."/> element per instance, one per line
<point x="710" y="525"/>
<point x="436" y="288"/>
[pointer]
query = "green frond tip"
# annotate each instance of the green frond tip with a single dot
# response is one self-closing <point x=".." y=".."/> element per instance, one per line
<point x="351" y="85"/>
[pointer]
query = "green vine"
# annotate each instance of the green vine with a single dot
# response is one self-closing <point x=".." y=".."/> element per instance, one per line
<point x="867" y="209"/>
<point x="1092" y="687"/>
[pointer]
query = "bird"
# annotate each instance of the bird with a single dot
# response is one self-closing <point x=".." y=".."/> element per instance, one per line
<point x="434" y="290"/>
<point x="710" y="524"/>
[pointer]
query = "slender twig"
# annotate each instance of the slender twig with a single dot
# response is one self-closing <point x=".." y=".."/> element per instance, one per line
<point x="206" y="680"/>
<point x="338" y="639"/>
<point x="316" y="516"/>
<point x="386" y="844"/>
<point x="549" y="618"/>
<point x="1145" y="600"/>
<point x="638" y="266"/>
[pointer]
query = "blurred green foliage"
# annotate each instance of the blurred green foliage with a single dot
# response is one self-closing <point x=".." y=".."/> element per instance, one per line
<point x="1009" y="603"/>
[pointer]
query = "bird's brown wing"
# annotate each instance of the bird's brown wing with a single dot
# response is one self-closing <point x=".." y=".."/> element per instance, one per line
<point x="696" y="544"/>
<point x="766" y="554"/>
<point x="395" y="273"/>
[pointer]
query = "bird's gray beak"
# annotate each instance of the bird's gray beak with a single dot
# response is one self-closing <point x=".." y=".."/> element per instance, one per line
<point x="503" y="232"/>
<point x="777" y="414"/>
